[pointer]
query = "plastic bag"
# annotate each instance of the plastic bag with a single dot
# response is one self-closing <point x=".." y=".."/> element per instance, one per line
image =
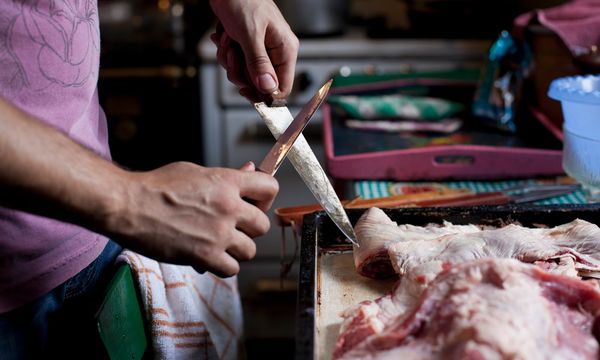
<point x="499" y="89"/>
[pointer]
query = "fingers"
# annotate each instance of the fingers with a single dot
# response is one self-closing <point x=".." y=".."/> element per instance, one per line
<point x="260" y="64"/>
<point x="243" y="249"/>
<point x="252" y="220"/>
<point x="236" y="69"/>
<point x="283" y="56"/>
<point x="187" y="214"/>
<point x="259" y="187"/>
<point x="231" y="58"/>
<point x="254" y="59"/>
<point x="260" y="70"/>
<point x="222" y="264"/>
<point x="227" y="263"/>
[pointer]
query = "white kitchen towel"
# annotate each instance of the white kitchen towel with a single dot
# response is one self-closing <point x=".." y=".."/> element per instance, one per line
<point x="189" y="315"/>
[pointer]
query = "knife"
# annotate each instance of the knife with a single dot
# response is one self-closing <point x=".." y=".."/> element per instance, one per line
<point x="285" y="141"/>
<point x="306" y="164"/>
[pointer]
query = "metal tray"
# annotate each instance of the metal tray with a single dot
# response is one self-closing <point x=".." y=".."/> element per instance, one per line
<point x="328" y="282"/>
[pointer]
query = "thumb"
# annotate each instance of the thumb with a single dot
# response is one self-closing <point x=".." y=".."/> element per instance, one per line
<point x="260" y="69"/>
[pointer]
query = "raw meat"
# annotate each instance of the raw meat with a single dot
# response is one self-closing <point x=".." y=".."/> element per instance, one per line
<point x="387" y="249"/>
<point x="419" y="254"/>
<point x="488" y="309"/>
<point x="570" y="249"/>
<point x="376" y="232"/>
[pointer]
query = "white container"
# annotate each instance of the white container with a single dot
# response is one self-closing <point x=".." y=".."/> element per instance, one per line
<point x="580" y="102"/>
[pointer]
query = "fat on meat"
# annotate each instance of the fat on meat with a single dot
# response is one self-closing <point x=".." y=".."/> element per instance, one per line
<point x="489" y="309"/>
<point x="387" y="249"/>
<point x="571" y="249"/>
<point x="375" y="232"/>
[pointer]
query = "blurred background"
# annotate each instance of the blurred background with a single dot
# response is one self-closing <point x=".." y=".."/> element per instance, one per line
<point x="167" y="100"/>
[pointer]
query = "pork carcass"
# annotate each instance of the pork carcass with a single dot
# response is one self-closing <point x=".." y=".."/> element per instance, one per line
<point x="490" y="309"/>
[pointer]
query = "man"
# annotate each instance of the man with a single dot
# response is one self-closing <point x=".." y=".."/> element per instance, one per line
<point x="62" y="198"/>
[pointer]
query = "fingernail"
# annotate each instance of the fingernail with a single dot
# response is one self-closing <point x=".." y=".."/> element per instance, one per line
<point x="266" y="82"/>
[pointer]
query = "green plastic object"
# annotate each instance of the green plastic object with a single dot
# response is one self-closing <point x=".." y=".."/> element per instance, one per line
<point x="119" y="321"/>
<point x="395" y="106"/>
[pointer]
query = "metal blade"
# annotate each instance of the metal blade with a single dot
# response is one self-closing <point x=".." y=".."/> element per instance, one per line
<point x="530" y="188"/>
<point x="284" y="143"/>
<point x="539" y="195"/>
<point x="308" y="167"/>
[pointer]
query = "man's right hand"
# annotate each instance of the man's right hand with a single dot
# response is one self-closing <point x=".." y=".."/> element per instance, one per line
<point x="256" y="47"/>
<point x="187" y="214"/>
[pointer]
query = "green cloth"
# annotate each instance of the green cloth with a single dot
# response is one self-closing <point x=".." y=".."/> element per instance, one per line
<point x="395" y="106"/>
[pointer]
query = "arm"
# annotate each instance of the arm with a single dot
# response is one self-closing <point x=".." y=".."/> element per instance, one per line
<point x="268" y="45"/>
<point x="181" y="213"/>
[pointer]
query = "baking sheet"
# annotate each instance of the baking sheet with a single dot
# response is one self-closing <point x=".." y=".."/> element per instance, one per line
<point x="328" y="282"/>
<point x="339" y="287"/>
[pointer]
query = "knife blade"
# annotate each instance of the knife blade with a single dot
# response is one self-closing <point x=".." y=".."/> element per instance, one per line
<point x="285" y="141"/>
<point x="308" y="167"/>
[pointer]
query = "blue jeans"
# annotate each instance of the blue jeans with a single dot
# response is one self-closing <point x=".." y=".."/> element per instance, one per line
<point x="60" y="324"/>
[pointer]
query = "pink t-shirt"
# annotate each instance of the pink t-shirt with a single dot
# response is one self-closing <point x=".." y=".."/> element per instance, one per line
<point x="49" y="60"/>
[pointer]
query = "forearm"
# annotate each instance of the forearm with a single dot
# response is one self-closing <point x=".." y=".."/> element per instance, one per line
<point x="42" y="171"/>
<point x="180" y="213"/>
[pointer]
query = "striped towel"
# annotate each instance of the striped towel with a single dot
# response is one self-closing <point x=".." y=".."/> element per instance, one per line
<point x="189" y="315"/>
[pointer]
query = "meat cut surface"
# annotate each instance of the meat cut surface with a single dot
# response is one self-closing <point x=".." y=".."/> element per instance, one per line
<point x="491" y="309"/>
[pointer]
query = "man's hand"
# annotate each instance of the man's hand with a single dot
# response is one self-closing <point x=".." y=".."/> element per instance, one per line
<point x="181" y="213"/>
<point x="256" y="46"/>
<point x="187" y="214"/>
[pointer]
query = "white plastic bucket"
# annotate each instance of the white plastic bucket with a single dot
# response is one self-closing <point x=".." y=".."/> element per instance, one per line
<point x="580" y="102"/>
